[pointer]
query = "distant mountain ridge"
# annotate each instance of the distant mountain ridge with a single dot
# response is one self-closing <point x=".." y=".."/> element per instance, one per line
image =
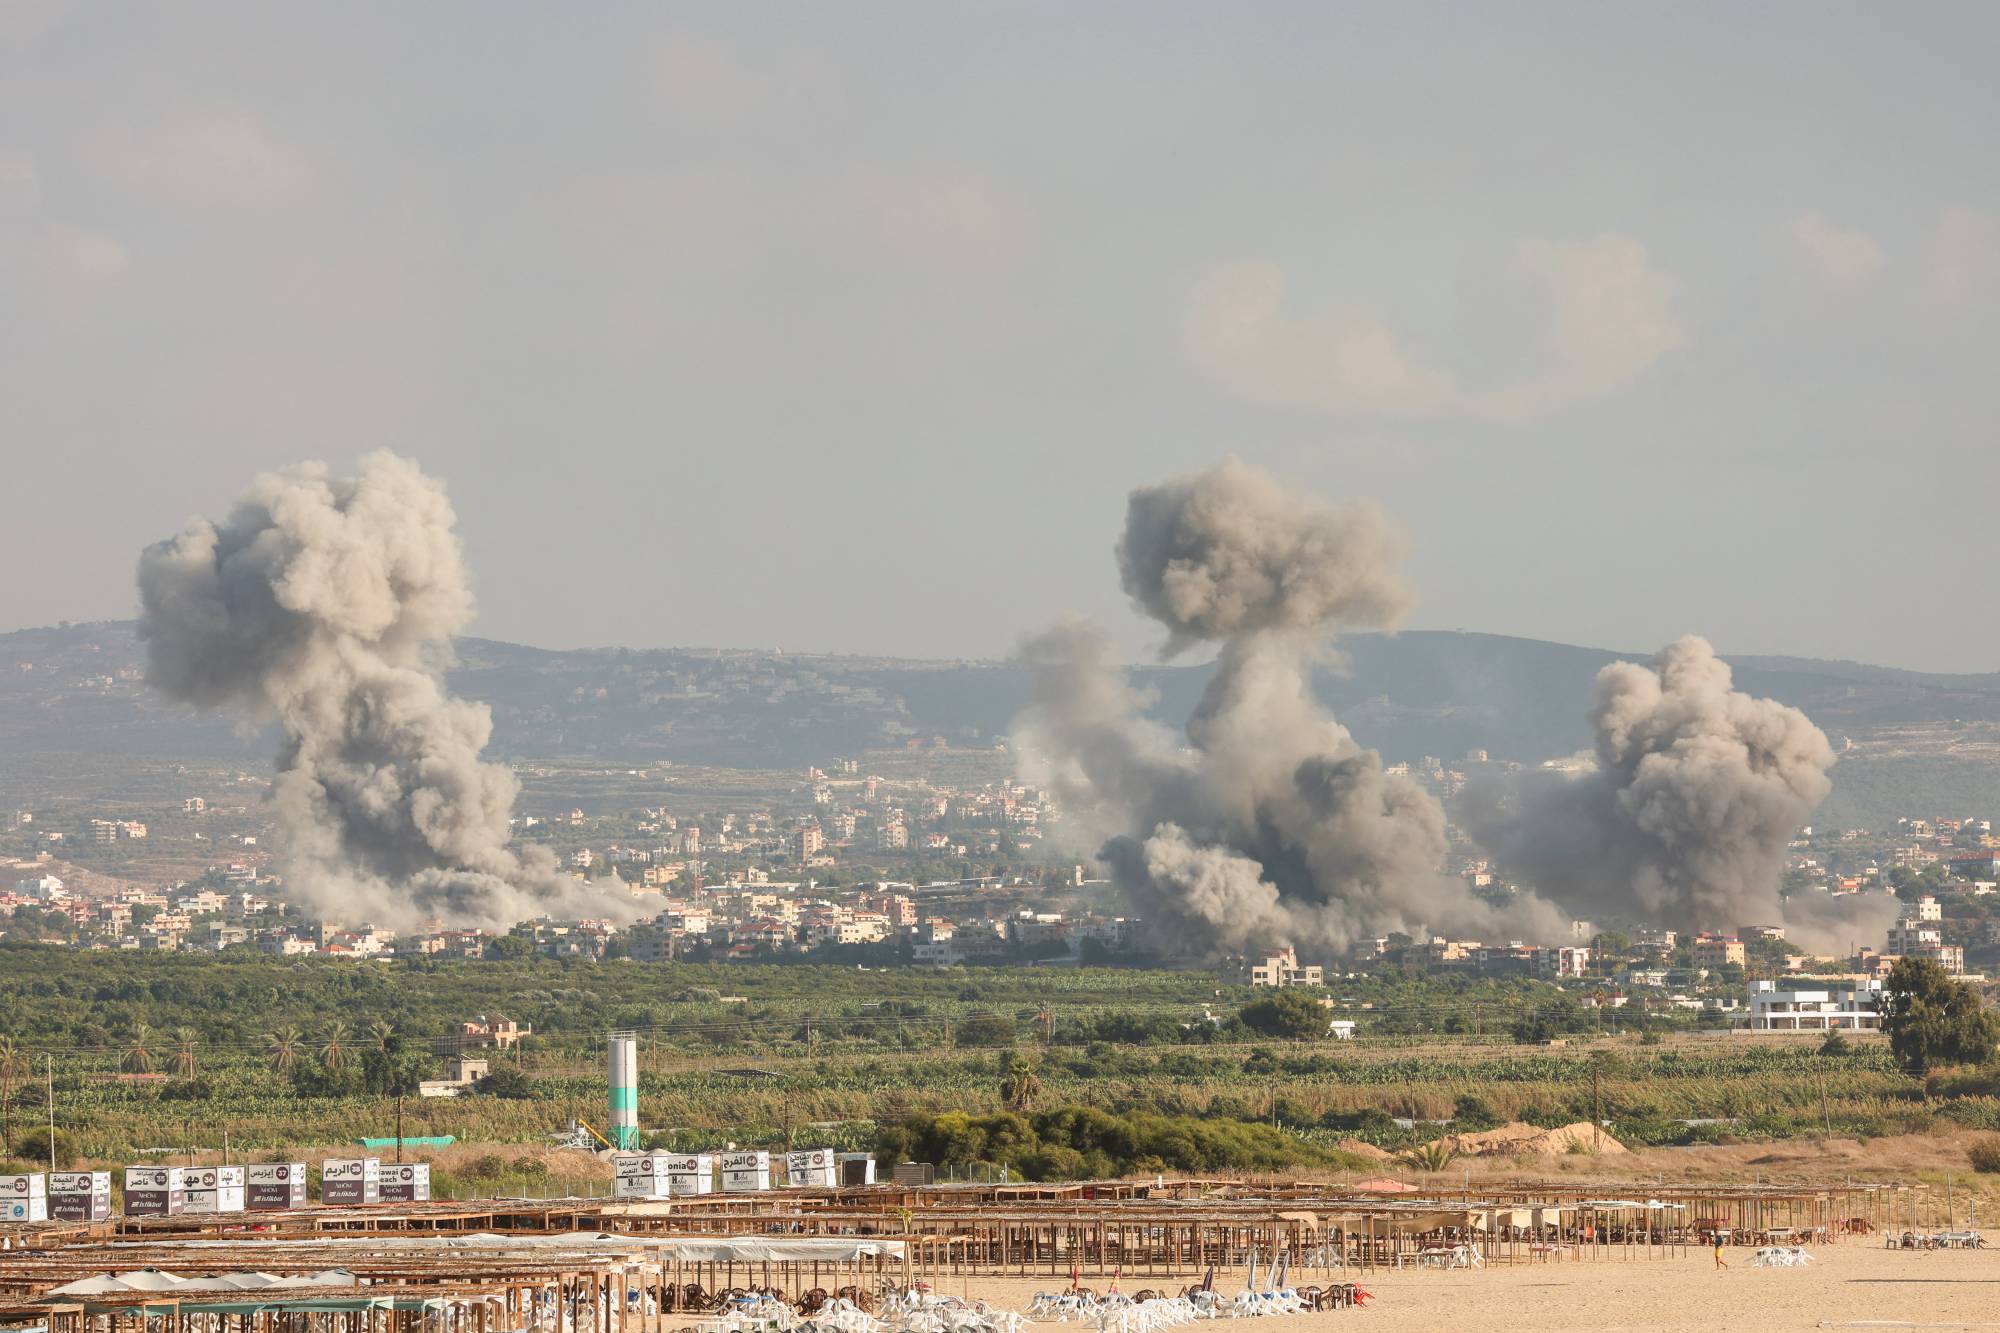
<point x="78" y="688"/>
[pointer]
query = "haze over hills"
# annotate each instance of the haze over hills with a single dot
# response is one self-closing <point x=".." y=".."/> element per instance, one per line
<point x="1906" y="738"/>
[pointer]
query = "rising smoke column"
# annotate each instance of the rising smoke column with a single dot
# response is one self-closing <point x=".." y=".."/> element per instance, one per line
<point x="328" y="604"/>
<point x="1271" y="825"/>
<point x="1697" y="790"/>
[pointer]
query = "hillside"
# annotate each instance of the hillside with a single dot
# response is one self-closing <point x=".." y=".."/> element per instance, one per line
<point x="1906" y="737"/>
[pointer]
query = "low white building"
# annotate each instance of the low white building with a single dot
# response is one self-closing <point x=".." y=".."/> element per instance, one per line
<point x="1774" y="1010"/>
<point x="44" y="888"/>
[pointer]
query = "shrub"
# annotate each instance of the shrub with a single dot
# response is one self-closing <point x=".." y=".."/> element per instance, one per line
<point x="35" y="1145"/>
<point x="984" y="1030"/>
<point x="1963" y="1083"/>
<point x="1985" y="1155"/>
<point x="1972" y="1113"/>
<point x="1473" y="1112"/>
<point x="1290" y="1111"/>
<point x="312" y="1078"/>
<point x="1290" y="1015"/>
<point x="1367" y="1120"/>
<point x="506" y="1083"/>
<point x="1070" y="1142"/>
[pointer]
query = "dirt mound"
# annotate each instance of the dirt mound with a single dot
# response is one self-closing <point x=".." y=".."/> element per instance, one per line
<point x="1579" y="1137"/>
<point x="1360" y="1149"/>
<point x="1489" y="1141"/>
<point x="1520" y="1140"/>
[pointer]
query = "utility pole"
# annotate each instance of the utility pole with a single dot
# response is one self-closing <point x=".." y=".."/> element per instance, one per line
<point x="50" y="1067"/>
<point x="399" y="1127"/>
<point x="1596" y="1105"/>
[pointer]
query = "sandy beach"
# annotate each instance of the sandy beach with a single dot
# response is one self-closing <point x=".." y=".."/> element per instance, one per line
<point x="1853" y="1285"/>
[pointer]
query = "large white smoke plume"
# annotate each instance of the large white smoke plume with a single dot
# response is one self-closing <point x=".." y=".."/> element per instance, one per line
<point x="1684" y="822"/>
<point x="1271" y="825"/>
<point x="328" y="604"/>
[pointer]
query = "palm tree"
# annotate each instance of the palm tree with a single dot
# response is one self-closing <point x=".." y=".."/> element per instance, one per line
<point x="12" y="1062"/>
<point x="286" y="1044"/>
<point x="384" y="1033"/>
<point x="1431" y="1157"/>
<point x="333" y="1049"/>
<point x="1019" y="1083"/>
<point x="185" y="1040"/>
<point x="138" y="1058"/>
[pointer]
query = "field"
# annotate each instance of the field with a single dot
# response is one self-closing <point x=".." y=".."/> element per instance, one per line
<point x="168" y="1054"/>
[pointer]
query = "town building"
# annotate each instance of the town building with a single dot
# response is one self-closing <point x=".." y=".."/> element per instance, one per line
<point x="1716" y="951"/>
<point x="1283" y="969"/>
<point x="1856" y="1010"/>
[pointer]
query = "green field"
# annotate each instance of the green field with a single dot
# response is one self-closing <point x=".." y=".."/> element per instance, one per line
<point x="770" y="1055"/>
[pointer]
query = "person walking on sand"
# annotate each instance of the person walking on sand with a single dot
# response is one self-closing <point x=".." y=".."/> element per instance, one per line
<point x="1719" y="1261"/>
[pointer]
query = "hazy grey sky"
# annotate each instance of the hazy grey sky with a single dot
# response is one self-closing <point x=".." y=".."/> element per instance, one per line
<point x="848" y="326"/>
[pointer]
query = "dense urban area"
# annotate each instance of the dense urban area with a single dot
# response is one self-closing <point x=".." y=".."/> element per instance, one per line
<point x="902" y="950"/>
<point x="846" y="866"/>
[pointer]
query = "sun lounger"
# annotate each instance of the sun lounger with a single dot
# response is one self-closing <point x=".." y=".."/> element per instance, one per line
<point x="1781" y="1256"/>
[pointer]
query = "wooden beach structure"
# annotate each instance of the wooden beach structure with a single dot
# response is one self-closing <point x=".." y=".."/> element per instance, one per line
<point x="626" y="1266"/>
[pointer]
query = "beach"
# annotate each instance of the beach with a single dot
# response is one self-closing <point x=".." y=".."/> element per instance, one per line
<point x="1855" y="1284"/>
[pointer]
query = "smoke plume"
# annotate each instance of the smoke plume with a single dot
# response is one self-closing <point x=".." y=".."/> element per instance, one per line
<point x="1698" y="787"/>
<point x="328" y="605"/>
<point x="1270" y="825"/>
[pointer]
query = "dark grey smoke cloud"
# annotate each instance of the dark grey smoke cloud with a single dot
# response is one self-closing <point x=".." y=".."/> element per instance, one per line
<point x="1697" y="790"/>
<point x="1267" y="824"/>
<point x="328" y="604"/>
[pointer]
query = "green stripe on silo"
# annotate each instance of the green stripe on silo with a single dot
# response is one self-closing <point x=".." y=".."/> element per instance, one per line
<point x="624" y="1099"/>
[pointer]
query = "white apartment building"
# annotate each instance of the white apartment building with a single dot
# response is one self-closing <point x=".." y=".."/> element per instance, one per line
<point x="1774" y="1010"/>
<point x="1562" y="962"/>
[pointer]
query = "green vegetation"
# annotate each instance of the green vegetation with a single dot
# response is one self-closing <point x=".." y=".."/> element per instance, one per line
<point x="162" y="1053"/>
<point x="1932" y="1019"/>
<point x="1432" y="1157"/>
<point x="1083" y="1143"/>
<point x="1472" y="1113"/>
<point x="43" y="1147"/>
<point x="1292" y="1015"/>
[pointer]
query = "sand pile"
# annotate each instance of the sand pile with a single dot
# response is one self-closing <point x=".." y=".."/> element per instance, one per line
<point x="1521" y="1140"/>
<point x="1368" y="1150"/>
<point x="1582" y="1134"/>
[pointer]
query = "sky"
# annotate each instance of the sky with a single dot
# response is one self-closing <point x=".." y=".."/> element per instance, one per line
<point x="847" y="327"/>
